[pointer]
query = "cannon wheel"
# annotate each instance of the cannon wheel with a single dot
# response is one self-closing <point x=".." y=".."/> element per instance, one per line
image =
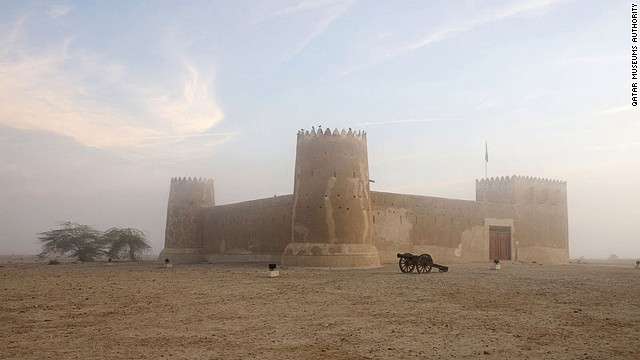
<point x="425" y="263"/>
<point x="406" y="265"/>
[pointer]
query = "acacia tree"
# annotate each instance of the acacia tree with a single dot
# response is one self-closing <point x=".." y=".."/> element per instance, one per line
<point x="80" y="241"/>
<point x="125" y="242"/>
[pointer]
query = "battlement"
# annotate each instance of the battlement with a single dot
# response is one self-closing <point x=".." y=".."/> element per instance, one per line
<point x="193" y="180"/>
<point x="518" y="178"/>
<point x="191" y="191"/>
<point x="361" y="135"/>
<point x="521" y="189"/>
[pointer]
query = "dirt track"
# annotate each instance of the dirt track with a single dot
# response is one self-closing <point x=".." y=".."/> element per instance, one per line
<point x="130" y="311"/>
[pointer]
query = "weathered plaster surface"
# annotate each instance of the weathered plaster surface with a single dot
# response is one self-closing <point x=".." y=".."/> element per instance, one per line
<point x="333" y="219"/>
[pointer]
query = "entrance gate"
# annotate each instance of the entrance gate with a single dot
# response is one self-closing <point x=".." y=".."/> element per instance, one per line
<point x="499" y="243"/>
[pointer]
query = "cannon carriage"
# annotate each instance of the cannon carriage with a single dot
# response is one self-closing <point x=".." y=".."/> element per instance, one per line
<point x="423" y="263"/>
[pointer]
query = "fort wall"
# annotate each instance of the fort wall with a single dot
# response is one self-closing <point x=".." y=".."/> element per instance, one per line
<point x="332" y="219"/>
<point x="256" y="230"/>
<point x="183" y="232"/>
<point x="450" y="230"/>
<point x="458" y="230"/>
<point x="542" y="233"/>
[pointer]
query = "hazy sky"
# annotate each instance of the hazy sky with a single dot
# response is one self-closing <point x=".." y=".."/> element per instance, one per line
<point x="101" y="103"/>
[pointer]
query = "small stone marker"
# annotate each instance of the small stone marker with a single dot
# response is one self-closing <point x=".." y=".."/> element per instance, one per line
<point x="495" y="265"/>
<point x="273" y="271"/>
<point x="167" y="263"/>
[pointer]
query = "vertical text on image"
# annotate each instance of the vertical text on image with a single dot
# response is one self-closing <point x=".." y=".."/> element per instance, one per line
<point x="634" y="54"/>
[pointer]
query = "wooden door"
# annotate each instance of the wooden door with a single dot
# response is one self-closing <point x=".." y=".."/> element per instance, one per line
<point x="499" y="243"/>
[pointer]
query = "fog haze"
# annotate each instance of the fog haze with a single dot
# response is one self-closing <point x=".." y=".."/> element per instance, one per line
<point x="101" y="104"/>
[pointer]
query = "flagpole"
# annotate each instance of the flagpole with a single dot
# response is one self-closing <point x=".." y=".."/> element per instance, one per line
<point x="486" y="158"/>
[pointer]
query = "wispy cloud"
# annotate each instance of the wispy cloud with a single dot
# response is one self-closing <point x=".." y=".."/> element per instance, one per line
<point x="483" y="19"/>
<point x="335" y="12"/>
<point x="11" y="36"/>
<point x="488" y="104"/>
<point x="600" y="59"/>
<point x="397" y="158"/>
<point x="404" y="121"/>
<point x="303" y="6"/>
<point x="331" y="11"/>
<point x="41" y="93"/>
<point x="614" y="110"/>
<point x="453" y="29"/>
<point x="58" y="10"/>
<point x="627" y="146"/>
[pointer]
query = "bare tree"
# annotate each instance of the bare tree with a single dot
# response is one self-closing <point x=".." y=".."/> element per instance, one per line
<point x="125" y="242"/>
<point x="72" y="239"/>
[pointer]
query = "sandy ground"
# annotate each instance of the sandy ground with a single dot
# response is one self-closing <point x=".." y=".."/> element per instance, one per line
<point x="133" y="311"/>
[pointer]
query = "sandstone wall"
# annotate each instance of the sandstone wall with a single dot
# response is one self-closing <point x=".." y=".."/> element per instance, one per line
<point x="542" y="232"/>
<point x="257" y="229"/>
<point x="183" y="232"/>
<point x="458" y="230"/>
<point x="449" y="230"/>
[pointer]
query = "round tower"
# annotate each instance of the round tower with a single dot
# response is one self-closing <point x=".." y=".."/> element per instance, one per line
<point x="332" y="203"/>
<point x="183" y="235"/>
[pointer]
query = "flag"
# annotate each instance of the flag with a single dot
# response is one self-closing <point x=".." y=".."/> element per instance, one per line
<point x="486" y="152"/>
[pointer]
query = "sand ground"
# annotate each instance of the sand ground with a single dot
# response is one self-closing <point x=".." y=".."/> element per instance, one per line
<point x="134" y="311"/>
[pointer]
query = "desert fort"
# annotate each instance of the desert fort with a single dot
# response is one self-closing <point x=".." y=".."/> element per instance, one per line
<point x="333" y="219"/>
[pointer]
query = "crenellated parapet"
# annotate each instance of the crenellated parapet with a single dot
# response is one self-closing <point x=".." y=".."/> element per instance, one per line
<point x="192" y="180"/>
<point x="531" y="179"/>
<point x="336" y="133"/>
<point x="521" y="189"/>
<point x="191" y="191"/>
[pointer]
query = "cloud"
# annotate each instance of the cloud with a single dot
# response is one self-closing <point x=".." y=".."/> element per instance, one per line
<point x="450" y="30"/>
<point x="335" y="13"/>
<point x="620" y="147"/>
<point x="614" y="110"/>
<point x="303" y="6"/>
<point x="58" y="10"/>
<point x="404" y="121"/>
<point x="488" y="104"/>
<point x="483" y="19"/>
<point x="333" y="10"/>
<point x="11" y="36"/>
<point x="397" y="158"/>
<point x="599" y="60"/>
<point x="66" y="92"/>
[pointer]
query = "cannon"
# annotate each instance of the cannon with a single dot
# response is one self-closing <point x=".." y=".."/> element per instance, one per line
<point x="422" y="263"/>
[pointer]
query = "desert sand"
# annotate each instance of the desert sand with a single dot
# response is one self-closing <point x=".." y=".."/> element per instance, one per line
<point x="143" y="310"/>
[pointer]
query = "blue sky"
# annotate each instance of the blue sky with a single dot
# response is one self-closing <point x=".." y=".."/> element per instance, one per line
<point x="102" y="103"/>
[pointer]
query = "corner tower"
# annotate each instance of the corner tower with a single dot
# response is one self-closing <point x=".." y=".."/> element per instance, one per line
<point x="183" y="235"/>
<point x="540" y="216"/>
<point x="332" y="216"/>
